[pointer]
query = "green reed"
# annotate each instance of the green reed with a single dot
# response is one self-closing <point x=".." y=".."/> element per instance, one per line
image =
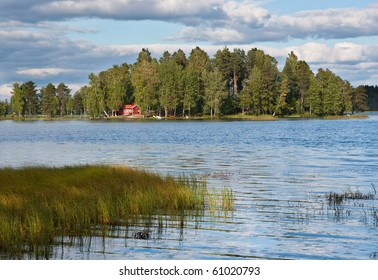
<point x="40" y="204"/>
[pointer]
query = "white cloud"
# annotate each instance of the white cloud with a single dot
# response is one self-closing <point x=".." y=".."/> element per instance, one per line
<point x="35" y="44"/>
<point x="246" y="12"/>
<point x="74" y="87"/>
<point x="5" y="90"/>
<point x="42" y="72"/>
<point x="248" y="18"/>
<point x="329" y="23"/>
<point x="340" y="52"/>
<point x="169" y="10"/>
<point x="218" y="35"/>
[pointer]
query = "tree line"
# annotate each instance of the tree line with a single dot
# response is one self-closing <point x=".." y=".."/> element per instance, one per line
<point x="229" y="83"/>
<point x="50" y="100"/>
<point x="372" y="93"/>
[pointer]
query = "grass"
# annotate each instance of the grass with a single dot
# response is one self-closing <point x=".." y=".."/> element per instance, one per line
<point x="40" y="204"/>
<point x="339" y="203"/>
<point x="250" y="117"/>
<point x="346" y="117"/>
<point x="339" y="198"/>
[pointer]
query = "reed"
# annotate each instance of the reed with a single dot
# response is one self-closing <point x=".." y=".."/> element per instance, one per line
<point x="339" y="198"/>
<point x="227" y="199"/>
<point x="40" y="204"/>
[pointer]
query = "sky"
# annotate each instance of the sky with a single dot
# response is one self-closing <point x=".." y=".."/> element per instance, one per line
<point x="66" y="40"/>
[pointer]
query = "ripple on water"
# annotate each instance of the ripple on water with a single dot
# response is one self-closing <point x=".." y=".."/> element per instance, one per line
<point x="279" y="172"/>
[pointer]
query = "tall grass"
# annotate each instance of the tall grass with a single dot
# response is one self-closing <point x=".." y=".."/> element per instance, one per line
<point x="40" y="204"/>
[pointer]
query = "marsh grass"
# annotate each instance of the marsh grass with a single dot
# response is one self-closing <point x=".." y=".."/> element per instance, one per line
<point x="250" y="117"/>
<point x="339" y="198"/>
<point x="40" y="204"/>
<point x="349" y="202"/>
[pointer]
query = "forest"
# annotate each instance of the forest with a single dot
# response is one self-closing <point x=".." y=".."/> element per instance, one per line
<point x="231" y="82"/>
<point x="372" y="94"/>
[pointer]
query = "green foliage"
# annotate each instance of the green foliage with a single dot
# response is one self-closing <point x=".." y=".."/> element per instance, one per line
<point x="347" y="92"/>
<point x="232" y="65"/>
<point x="145" y="80"/>
<point x="329" y="95"/>
<point x="360" y="99"/>
<point x="118" y="84"/>
<point x="314" y="99"/>
<point x="372" y="94"/>
<point x="191" y="85"/>
<point x="70" y="105"/>
<point x="63" y="93"/>
<point x="4" y="108"/>
<point x="170" y="87"/>
<point x="80" y="101"/>
<point x="17" y="100"/>
<point x="29" y="93"/>
<point x="304" y="79"/>
<point x="215" y="91"/>
<point x="175" y="83"/>
<point x="50" y="101"/>
<point x="282" y="107"/>
<point x="95" y="100"/>
<point x="40" y="204"/>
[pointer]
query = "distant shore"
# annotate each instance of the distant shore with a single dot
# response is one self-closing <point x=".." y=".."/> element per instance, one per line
<point x="243" y="117"/>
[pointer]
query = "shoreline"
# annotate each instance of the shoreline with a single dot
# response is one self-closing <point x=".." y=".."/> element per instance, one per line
<point x="237" y="117"/>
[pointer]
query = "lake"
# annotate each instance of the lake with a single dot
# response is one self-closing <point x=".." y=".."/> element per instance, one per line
<point x="280" y="173"/>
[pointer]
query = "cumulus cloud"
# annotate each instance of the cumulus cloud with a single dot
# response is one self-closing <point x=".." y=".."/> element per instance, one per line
<point x="167" y="10"/>
<point x="340" y="52"/>
<point x="256" y="24"/>
<point x="5" y="91"/>
<point x="246" y="12"/>
<point x="329" y="23"/>
<point x="42" y="72"/>
<point x="35" y="43"/>
<point x="218" y="35"/>
<point x="248" y="18"/>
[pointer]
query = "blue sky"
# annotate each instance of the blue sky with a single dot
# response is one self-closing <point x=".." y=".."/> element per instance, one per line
<point x="65" y="40"/>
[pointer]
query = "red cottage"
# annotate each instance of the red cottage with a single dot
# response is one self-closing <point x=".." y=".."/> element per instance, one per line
<point x="129" y="110"/>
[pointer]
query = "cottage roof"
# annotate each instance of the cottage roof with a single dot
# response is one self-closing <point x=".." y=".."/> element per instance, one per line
<point x="130" y="106"/>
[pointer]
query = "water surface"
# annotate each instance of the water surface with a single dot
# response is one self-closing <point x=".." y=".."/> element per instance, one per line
<point x="279" y="171"/>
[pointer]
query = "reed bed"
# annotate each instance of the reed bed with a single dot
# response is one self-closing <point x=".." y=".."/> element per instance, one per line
<point x="40" y="204"/>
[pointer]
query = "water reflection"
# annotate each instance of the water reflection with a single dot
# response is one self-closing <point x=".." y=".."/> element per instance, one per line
<point x="171" y="234"/>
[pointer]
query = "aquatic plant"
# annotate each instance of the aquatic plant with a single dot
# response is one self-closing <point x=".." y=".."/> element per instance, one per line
<point x="338" y="198"/>
<point x="38" y="205"/>
<point x="348" y="203"/>
<point x="227" y="199"/>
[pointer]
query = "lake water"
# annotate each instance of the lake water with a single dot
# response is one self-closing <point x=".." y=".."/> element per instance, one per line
<point x="280" y="173"/>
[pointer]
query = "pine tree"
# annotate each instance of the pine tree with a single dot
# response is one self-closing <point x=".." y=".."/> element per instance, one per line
<point x="347" y="91"/>
<point x="62" y="93"/>
<point x="145" y="80"/>
<point x="304" y="76"/>
<point x="29" y="92"/>
<point x="50" y="101"/>
<point x="290" y="70"/>
<point x="118" y="85"/>
<point x="314" y="100"/>
<point x="17" y="100"/>
<point x="191" y="85"/>
<point x="215" y="91"/>
<point x="170" y="84"/>
<point x="282" y="106"/>
<point x="267" y="65"/>
<point x="360" y="100"/>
